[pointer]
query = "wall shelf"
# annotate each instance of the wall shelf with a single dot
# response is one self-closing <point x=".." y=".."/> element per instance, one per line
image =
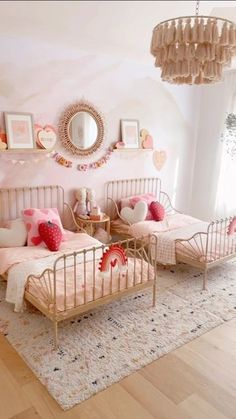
<point x="26" y="150"/>
<point x="133" y="149"/>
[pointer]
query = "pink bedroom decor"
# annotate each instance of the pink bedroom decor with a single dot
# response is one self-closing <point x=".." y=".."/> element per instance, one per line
<point x="46" y="136"/>
<point x="61" y="160"/>
<point x="136" y="214"/>
<point x="232" y="227"/>
<point x="35" y="216"/>
<point x="157" y="210"/>
<point x="146" y="139"/>
<point x="99" y="163"/>
<point x="113" y="258"/>
<point x="131" y="201"/>
<point x="51" y="235"/>
<point x="20" y="132"/>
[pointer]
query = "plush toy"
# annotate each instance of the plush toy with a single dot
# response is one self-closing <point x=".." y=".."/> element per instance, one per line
<point x="80" y="207"/>
<point x="91" y="201"/>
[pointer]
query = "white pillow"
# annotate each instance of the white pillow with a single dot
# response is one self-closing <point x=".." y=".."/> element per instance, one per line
<point x="15" y="235"/>
<point x="136" y="214"/>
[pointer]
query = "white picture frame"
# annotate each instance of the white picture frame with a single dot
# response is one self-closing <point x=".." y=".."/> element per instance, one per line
<point x="130" y="133"/>
<point x="19" y="130"/>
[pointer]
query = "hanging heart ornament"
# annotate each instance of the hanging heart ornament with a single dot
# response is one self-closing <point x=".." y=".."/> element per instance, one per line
<point x="159" y="159"/>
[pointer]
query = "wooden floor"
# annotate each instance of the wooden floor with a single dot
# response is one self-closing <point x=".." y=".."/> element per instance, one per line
<point x="196" y="381"/>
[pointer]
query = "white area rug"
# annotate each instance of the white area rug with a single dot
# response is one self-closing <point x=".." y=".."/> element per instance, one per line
<point x="100" y="348"/>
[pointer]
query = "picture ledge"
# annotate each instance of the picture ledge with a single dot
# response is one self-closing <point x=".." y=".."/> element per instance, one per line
<point x="26" y="150"/>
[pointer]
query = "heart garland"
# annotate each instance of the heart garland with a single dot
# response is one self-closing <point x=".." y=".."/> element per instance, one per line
<point x="99" y="163"/>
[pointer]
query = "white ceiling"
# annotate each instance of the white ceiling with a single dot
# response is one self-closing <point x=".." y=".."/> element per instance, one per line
<point x="123" y="28"/>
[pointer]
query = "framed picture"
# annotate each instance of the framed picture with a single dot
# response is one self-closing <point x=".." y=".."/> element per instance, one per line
<point x="130" y="133"/>
<point x="20" y="130"/>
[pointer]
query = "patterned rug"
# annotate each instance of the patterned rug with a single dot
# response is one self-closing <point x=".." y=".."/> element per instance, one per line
<point x="102" y="347"/>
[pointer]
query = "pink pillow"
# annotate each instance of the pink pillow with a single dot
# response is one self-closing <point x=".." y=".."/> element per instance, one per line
<point x="157" y="210"/>
<point x="131" y="201"/>
<point x="33" y="217"/>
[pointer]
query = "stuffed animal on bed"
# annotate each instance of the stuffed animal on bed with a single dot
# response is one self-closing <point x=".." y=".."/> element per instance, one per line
<point x="80" y="207"/>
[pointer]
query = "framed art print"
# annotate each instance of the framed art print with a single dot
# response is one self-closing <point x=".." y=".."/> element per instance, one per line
<point x="130" y="133"/>
<point x="19" y="128"/>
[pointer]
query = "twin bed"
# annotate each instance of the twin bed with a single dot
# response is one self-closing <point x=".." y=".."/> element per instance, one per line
<point x="85" y="273"/>
<point x="82" y="275"/>
<point x="179" y="237"/>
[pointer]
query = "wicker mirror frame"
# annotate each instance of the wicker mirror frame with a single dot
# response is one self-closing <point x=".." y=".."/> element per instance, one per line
<point x="63" y="127"/>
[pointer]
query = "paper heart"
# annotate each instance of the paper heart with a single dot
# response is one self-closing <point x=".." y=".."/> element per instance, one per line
<point x="36" y="240"/>
<point x="136" y="214"/>
<point x="159" y="159"/>
<point x="46" y="137"/>
<point x="148" y="142"/>
<point x="29" y="212"/>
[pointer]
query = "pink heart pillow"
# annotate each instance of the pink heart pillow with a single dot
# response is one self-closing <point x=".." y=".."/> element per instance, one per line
<point x="157" y="210"/>
<point x="33" y="217"/>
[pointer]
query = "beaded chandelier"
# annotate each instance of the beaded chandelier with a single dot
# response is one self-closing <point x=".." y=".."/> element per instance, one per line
<point x="193" y="49"/>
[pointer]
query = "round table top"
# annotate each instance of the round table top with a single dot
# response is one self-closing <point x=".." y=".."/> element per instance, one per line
<point x="88" y="220"/>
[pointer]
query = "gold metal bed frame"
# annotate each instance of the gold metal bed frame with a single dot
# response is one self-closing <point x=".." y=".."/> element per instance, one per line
<point x="202" y="250"/>
<point x="14" y="200"/>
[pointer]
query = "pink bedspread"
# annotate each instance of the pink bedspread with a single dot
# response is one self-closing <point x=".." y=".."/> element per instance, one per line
<point x="85" y="290"/>
<point x="13" y="255"/>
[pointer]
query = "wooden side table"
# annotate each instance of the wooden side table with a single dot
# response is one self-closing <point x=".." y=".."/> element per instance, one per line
<point x="89" y="225"/>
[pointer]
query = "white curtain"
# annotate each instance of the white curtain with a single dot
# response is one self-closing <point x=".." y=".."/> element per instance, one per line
<point x="225" y="203"/>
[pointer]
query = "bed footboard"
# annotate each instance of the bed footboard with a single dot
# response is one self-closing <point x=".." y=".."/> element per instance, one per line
<point x="205" y="249"/>
<point x="83" y="280"/>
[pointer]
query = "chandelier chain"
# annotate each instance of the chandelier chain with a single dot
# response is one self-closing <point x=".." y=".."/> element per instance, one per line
<point x="197" y="7"/>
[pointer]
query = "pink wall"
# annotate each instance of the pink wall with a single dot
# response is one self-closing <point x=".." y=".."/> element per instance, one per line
<point x="43" y="79"/>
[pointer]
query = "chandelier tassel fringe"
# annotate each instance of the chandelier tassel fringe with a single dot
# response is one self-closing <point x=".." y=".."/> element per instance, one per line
<point x="193" y="50"/>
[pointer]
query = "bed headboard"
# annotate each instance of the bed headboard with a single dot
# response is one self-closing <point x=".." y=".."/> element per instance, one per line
<point x="14" y="200"/>
<point x="117" y="189"/>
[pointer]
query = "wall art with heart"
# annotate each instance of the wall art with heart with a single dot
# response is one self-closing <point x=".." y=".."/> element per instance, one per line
<point x="46" y="137"/>
<point x="159" y="158"/>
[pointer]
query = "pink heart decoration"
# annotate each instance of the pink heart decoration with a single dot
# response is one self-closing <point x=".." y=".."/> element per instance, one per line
<point x="36" y="240"/>
<point x="29" y="212"/>
<point x="148" y="142"/>
<point x="159" y="159"/>
<point x="45" y="137"/>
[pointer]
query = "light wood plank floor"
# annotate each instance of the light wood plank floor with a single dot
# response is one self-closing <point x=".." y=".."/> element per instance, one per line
<point x="196" y="381"/>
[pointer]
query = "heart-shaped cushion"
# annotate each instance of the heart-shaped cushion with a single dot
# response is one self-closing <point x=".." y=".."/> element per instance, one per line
<point x="15" y="235"/>
<point x="136" y="214"/>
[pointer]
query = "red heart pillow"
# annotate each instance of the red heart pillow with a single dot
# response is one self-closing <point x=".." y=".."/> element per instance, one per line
<point x="51" y="234"/>
<point x="157" y="210"/>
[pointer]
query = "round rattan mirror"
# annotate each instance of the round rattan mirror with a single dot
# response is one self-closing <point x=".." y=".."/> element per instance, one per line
<point x="81" y="128"/>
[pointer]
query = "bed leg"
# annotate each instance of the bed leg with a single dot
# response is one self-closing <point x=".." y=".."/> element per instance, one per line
<point x="55" y="335"/>
<point x="205" y="280"/>
<point x="154" y="294"/>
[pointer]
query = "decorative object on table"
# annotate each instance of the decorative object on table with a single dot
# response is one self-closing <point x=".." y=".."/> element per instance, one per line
<point x="193" y="49"/>
<point x="229" y="134"/>
<point x="159" y="158"/>
<point x="136" y="214"/>
<point x="81" y="128"/>
<point x="51" y="235"/>
<point x="95" y="213"/>
<point x="146" y="139"/>
<point x="80" y="207"/>
<point x="20" y="132"/>
<point x="61" y="160"/>
<point x="3" y="140"/>
<point x="90" y="199"/>
<point x="114" y="259"/>
<point x="46" y="136"/>
<point x="130" y="133"/>
<point x="83" y="167"/>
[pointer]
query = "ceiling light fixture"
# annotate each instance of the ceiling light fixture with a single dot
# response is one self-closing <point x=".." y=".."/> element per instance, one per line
<point x="193" y="49"/>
